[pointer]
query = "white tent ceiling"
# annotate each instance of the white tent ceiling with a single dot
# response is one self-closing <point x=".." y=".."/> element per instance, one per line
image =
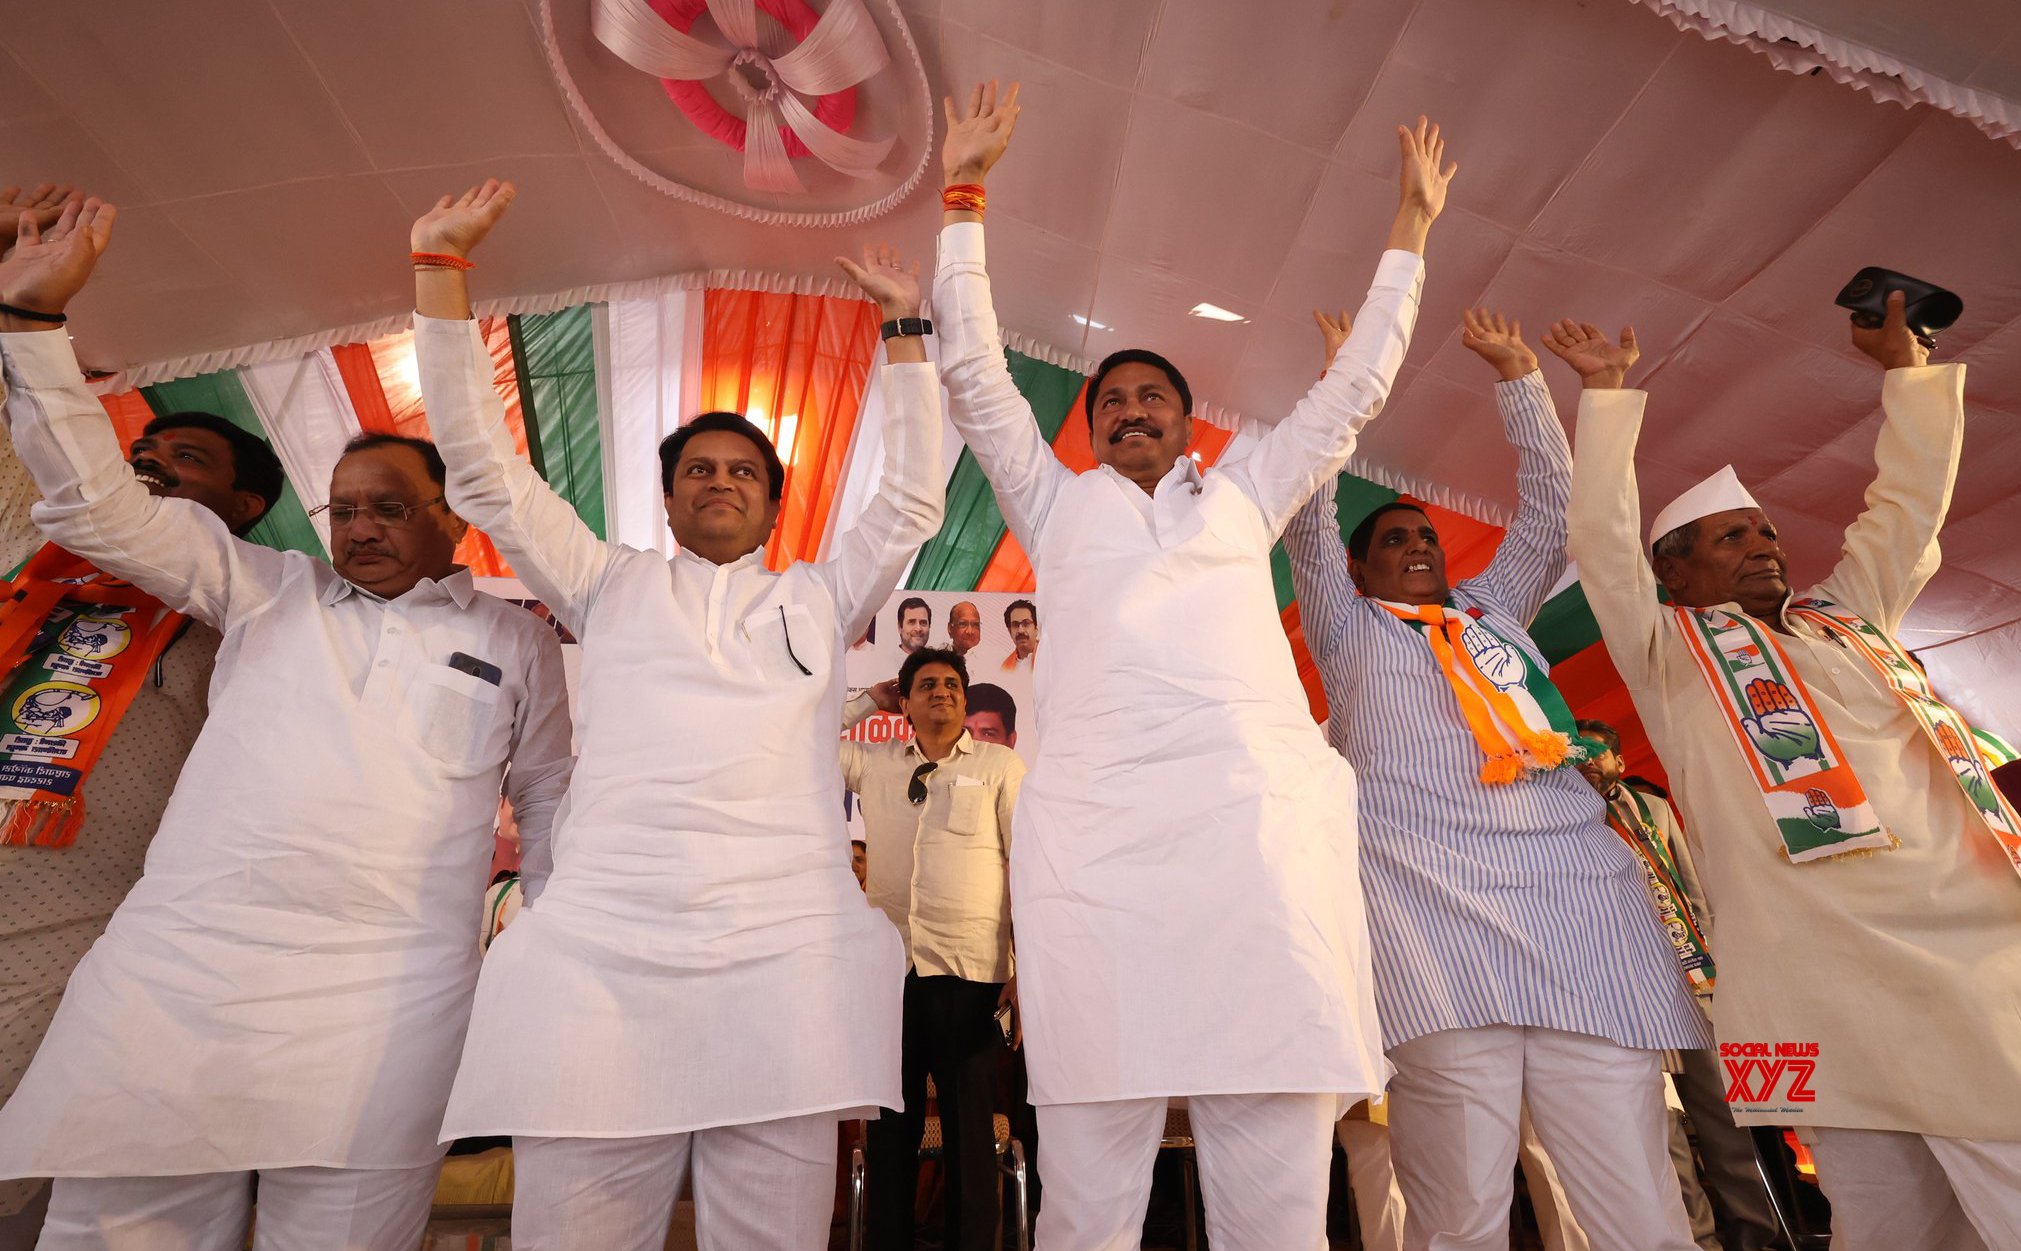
<point x="267" y="157"/>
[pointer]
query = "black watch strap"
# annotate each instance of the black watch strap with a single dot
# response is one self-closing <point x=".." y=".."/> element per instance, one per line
<point x="902" y="326"/>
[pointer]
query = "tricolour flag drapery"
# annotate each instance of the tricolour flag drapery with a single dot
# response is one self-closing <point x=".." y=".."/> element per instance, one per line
<point x="590" y="390"/>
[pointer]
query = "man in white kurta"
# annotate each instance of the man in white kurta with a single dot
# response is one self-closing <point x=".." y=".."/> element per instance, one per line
<point x="702" y="988"/>
<point x="1901" y="967"/>
<point x="285" y="991"/>
<point x="1183" y="878"/>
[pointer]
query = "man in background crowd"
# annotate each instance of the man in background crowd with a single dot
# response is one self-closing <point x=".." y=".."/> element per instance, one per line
<point x="937" y="821"/>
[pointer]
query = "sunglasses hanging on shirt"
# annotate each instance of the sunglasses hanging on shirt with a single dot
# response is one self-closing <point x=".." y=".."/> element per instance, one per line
<point x="915" y="790"/>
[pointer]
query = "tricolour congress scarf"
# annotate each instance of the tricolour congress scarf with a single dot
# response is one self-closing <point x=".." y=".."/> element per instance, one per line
<point x="1629" y="816"/>
<point x="75" y="647"/>
<point x="1948" y="732"/>
<point x="1517" y="716"/>
<point x="1818" y="805"/>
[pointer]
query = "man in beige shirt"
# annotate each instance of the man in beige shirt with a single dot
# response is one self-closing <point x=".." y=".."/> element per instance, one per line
<point x="937" y="818"/>
<point x="1872" y="1000"/>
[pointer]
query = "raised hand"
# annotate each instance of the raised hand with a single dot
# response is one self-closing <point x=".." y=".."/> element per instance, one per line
<point x="1426" y="174"/>
<point x="1423" y="182"/>
<point x="1892" y="343"/>
<point x="47" y="269"/>
<point x="886" y="279"/>
<point x="459" y="223"/>
<point x="885" y="695"/>
<point x="978" y="134"/>
<point x="45" y="203"/>
<point x="1601" y="363"/>
<point x="1498" y="340"/>
<point x="1335" y="327"/>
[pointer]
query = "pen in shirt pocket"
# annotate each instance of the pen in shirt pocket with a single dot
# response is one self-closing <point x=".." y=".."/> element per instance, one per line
<point x="464" y="662"/>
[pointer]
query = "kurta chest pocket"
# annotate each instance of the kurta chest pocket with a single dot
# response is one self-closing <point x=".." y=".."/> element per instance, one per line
<point x="965" y="807"/>
<point x="787" y="643"/>
<point x="458" y="716"/>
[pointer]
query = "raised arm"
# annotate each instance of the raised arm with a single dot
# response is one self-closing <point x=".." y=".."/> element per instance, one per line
<point x="92" y="505"/>
<point x="542" y="757"/>
<point x="865" y="562"/>
<point x="1319" y="571"/>
<point x="19" y="539"/>
<point x="1606" y="512"/>
<point x="490" y="484"/>
<point x="1310" y="446"/>
<point x="1532" y="552"/>
<point x="1320" y="577"/>
<point x="1891" y="551"/>
<point x="985" y="405"/>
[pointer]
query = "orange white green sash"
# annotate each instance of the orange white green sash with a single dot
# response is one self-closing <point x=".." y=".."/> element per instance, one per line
<point x="1954" y="740"/>
<point x="75" y="647"/>
<point x="1818" y="805"/>
<point x="1516" y="715"/>
<point x="1666" y="886"/>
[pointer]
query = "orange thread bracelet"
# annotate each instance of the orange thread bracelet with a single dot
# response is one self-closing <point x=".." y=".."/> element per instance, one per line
<point x="963" y="197"/>
<point x="439" y="260"/>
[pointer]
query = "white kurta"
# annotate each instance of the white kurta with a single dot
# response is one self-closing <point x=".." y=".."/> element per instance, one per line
<point x="702" y="955"/>
<point x="1184" y="877"/>
<point x="1902" y="967"/>
<point x="289" y="982"/>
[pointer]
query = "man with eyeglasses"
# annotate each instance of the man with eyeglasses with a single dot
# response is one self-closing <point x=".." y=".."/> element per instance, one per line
<point x="936" y="819"/>
<point x="285" y="992"/>
<point x="703" y="991"/>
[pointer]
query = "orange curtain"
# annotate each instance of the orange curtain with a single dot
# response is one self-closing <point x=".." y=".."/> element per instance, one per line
<point x="130" y="414"/>
<point x="385" y="392"/>
<point x="796" y="366"/>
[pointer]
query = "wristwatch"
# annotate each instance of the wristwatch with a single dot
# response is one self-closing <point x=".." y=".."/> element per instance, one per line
<point x="903" y="326"/>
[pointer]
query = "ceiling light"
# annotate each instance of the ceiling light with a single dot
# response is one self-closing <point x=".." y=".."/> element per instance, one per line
<point x="1214" y="312"/>
<point x="1092" y="325"/>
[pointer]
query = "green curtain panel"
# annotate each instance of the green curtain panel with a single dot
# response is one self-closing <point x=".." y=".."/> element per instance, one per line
<point x="286" y="527"/>
<point x="555" y="357"/>
<point x="954" y="559"/>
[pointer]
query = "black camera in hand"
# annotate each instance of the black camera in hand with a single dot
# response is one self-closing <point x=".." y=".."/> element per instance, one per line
<point x="1928" y="307"/>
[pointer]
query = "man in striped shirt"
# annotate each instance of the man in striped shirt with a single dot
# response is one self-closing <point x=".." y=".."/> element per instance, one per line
<point x="1516" y="955"/>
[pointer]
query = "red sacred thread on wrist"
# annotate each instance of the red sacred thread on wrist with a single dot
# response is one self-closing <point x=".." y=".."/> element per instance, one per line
<point x="439" y="260"/>
<point x="963" y="197"/>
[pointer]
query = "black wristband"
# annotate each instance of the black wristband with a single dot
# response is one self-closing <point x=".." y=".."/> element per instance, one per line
<point x="29" y="314"/>
<point x="903" y="326"/>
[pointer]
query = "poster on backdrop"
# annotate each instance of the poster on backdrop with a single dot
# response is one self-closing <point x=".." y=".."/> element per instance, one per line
<point x="1000" y="636"/>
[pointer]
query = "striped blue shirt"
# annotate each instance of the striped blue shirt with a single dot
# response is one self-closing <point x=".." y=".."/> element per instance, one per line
<point x="1511" y="905"/>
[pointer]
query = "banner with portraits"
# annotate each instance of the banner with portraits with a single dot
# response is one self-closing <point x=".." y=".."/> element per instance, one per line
<point x="1000" y="638"/>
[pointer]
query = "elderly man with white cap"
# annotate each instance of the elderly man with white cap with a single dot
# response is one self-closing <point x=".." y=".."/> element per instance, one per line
<point x="1865" y="874"/>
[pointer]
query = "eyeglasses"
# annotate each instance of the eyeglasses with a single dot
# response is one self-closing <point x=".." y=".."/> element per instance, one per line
<point x="915" y="790"/>
<point x="385" y="512"/>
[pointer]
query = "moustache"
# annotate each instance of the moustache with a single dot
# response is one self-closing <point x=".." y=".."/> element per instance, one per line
<point x="155" y="469"/>
<point x="1116" y="435"/>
